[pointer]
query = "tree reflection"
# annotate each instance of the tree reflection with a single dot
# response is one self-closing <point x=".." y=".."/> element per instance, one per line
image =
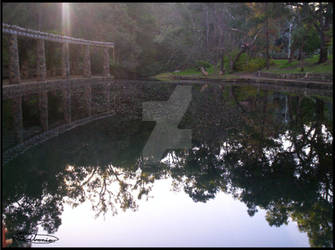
<point x="267" y="149"/>
<point x="73" y="169"/>
<point x="284" y="168"/>
<point x="31" y="201"/>
<point x="105" y="187"/>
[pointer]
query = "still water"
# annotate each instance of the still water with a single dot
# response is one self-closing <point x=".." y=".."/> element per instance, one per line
<point x="258" y="173"/>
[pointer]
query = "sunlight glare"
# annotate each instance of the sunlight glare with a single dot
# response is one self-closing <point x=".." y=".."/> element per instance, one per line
<point x="66" y="18"/>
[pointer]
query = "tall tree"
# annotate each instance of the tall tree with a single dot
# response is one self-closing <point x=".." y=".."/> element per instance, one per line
<point x="322" y="14"/>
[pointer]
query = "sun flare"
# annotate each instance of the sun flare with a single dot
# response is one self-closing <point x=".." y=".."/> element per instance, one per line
<point x="66" y="18"/>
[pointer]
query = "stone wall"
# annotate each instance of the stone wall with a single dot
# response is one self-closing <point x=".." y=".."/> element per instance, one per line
<point x="325" y="77"/>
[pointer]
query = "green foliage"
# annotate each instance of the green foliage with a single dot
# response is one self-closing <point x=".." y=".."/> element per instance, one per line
<point x="247" y="64"/>
<point x="242" y="62"/>
<point x="203" y="64"/>
<point x="226" y="63"/>
<point x="309" y="37"/>
<point x="212" y="69"/>
<point x="311" y="41"/>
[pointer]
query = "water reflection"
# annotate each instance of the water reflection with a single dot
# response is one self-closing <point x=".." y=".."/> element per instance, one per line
<point x="268" y="149"/>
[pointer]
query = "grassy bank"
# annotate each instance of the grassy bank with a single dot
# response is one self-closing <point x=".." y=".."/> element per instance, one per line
<point x="277" y="66"/>
<point x="213" y="73"/>
<point x="310" y="65"/>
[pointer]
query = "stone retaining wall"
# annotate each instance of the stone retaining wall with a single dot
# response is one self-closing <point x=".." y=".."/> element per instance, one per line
<point x="302" y="76"/>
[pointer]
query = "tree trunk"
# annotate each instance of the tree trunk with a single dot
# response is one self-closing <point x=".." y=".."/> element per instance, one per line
<point x="230" y="63"/>
<point x="323" y="29"/>
<point x="215" y="39"/>
<point x="207" y="28"/>
<point x="203" y="71"/>
<point x="237" y="57"/>
<point x="323" y="53"/>
<point x="221" y="44"/>
<point x="299" y="54"/>
<point x="267" y="36"/>
<point x="302" y="56"/>
<point x="323" y="47"/>
<point x="291" y="55"/>
<point x="222" y="61"/>
<point x="289" y="41"/>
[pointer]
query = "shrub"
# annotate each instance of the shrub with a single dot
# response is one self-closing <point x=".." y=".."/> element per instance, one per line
<point x="272" y="62"/>
<point x="255" y="64"/>
<point x="242" y="62"/>
<point x="204" y="64"/>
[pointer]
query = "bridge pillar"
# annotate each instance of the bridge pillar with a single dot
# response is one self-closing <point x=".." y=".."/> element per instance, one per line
<point x="43" y="107"/>
<point x="14" y="67"/>
<point x="17" y="117"/>
<point x="87" y="61"/>
<point x="67" y="104"/>
<point x="41" y="66"/>
<point x="65" y="60"/>
<point x="106" y="62"/>
<point x="88" y="100"/>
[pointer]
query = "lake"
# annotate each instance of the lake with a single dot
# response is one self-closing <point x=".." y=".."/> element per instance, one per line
<point x="231" y="166"/>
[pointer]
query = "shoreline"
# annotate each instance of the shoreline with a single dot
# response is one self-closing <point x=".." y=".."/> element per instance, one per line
<point x="250" y="78"/>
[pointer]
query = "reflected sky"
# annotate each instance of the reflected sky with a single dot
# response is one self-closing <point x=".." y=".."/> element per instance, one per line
<point x="173" y="219"/>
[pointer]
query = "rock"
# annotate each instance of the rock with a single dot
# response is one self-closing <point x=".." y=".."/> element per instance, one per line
<point x="203" y="71"/>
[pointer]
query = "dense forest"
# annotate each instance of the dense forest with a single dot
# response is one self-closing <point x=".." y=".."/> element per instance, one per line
<point x="152" y="38"/>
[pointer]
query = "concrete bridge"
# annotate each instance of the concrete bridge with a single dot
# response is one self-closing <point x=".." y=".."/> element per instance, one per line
<point x="14" y="31"/>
